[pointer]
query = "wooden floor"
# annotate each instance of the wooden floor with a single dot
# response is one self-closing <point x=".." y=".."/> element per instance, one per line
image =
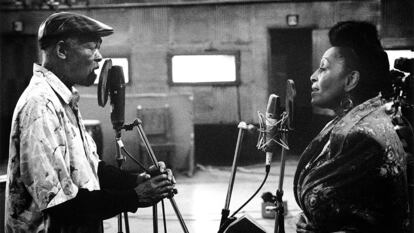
<point x="201" y="198"/>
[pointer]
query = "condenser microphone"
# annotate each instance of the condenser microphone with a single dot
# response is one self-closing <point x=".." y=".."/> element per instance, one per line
<point x="290" y="103"/>
<point x="116" y="83"/>
<point x="272" y="114"/>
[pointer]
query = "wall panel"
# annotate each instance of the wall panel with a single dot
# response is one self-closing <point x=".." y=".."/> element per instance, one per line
<point x="146" y="34"/>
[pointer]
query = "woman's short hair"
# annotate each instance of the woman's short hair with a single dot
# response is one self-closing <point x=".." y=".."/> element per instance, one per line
<point x="362" y="50"/>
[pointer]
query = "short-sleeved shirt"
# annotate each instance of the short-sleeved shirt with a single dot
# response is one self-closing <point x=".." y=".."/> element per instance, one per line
<point x="51" y="155"/>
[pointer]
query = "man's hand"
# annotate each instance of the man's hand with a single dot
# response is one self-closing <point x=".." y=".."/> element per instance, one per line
<point x="162" y="169"/>
<point x="141" y="178"/>
<point x="153" y="171"/>
<point x="153" y="190"/>
<point x="155" y="185"/>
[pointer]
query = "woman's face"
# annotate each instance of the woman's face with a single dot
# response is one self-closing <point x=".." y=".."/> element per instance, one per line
<point x="328" y="81"/>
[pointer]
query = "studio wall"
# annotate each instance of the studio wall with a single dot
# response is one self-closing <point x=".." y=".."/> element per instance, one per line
<point x="146" y="34"/>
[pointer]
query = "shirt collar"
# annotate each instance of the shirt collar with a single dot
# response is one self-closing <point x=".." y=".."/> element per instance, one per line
<point x="70" y="97"/>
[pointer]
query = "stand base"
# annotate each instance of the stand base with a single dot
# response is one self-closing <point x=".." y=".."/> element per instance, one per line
<point x="244" y="224"/>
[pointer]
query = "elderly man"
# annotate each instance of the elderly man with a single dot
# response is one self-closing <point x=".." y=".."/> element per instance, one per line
<point x="56" y="182"/>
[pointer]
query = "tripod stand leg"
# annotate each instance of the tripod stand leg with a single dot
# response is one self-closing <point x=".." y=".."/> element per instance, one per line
<point x="126" y="222"/>
<point x="282" y="224"/>
<point x="155" y="162"/>
<point x="155" y="219"/>
<point x="177" y="212"/>
<point x="163" y="216"/>
<point x="120" y="223"/>
<point x="279" y="222"/>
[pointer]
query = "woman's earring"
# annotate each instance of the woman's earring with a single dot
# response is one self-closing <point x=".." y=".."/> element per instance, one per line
<point x="346" y="103"/>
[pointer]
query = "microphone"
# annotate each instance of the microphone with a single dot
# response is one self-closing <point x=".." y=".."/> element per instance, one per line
<point x="290" y="103"/>
<point x="116" y="88"/>
<point x="272" y="114"/>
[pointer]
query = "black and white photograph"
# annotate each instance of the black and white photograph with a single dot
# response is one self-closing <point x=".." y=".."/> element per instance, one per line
<point x="202" y="116"/>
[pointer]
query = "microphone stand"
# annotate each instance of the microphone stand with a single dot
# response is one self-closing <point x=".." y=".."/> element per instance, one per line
<point x="225" y="221"/>
<point x="285" y="126"/>
<point x="279" y="207"/>
<point x="138" y="124"/>
<point x="155" y="218"/>
<point x="120" y="159"/>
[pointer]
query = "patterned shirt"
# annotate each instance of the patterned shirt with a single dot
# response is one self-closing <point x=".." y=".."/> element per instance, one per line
<point x="51" y="154"/>
<point x="352" y="176"/>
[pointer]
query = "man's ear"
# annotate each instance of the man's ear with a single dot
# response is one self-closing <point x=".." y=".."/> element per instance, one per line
<point x="61" y="49"/>
<point x="352" y="80"/>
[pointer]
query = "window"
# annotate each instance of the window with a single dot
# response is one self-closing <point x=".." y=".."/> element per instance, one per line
<point x="395" y="54"/>
<point x="208" y="68"/>
<point x="123" y="62"/>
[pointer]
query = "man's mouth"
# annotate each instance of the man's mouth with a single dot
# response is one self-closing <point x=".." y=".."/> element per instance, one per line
<point x="91" y="79"/>
<point x="96" y="70"/>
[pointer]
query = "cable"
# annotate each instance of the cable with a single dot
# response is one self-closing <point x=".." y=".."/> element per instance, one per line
<point x="254" y="194"/>
<point x="121" y="145"/>
<point x="242" y="206"/>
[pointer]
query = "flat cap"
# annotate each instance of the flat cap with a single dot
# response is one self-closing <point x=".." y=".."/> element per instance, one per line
<point x="66" y="23"/>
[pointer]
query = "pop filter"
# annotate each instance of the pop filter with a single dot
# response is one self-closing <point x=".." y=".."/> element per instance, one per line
<point x="103" y="87"/>
<point x="290" y="102"/>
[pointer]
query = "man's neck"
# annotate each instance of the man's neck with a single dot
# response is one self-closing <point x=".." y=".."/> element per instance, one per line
<point x="56" y="70"/>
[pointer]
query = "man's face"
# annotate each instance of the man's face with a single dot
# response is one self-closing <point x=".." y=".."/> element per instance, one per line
<point x="82" y="61"/>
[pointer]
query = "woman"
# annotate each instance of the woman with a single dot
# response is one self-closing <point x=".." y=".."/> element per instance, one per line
<point x="352" y="176"/>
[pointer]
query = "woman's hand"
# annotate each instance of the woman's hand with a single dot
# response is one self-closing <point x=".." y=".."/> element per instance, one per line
<point x="303" y="225"/>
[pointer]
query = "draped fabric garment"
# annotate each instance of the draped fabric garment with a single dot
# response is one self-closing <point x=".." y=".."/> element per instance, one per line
<point x="352" y="176"/>
<point x="51" y="155"/>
